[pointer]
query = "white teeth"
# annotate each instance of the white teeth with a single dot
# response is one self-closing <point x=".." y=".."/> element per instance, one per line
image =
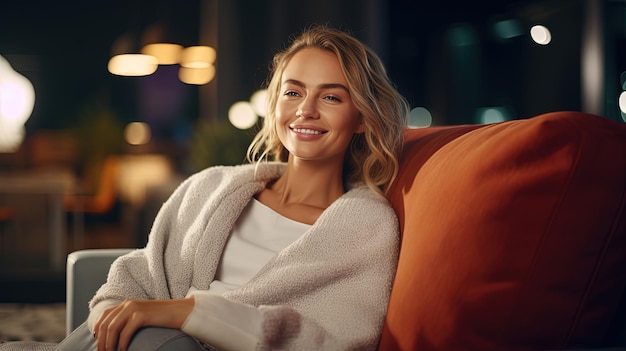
<point x="307" y="131"/>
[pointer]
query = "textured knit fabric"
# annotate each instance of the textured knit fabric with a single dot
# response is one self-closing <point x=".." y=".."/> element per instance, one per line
<point x="327" y="290"/>
<point x="259" y="234"/>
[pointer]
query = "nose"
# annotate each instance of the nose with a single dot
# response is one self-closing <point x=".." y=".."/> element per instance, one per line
<point x="308" y="108"/>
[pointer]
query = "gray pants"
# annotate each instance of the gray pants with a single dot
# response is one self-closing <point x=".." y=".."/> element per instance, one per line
<point x="146" y="339"/>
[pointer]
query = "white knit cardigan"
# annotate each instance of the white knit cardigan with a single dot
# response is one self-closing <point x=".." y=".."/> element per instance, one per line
<point x="328" y="290"/>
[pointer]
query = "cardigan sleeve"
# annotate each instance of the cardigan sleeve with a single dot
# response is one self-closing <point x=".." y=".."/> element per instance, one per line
<point x="224" y="324"/>
<point x="144" y="274"/>
<point x="187" y="236"/>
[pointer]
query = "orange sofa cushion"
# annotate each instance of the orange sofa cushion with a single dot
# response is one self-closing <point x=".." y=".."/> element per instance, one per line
<point x="514" y="235"/>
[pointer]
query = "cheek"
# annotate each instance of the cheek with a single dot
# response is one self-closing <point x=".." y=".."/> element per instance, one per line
<point x="354" y="122"/>
<point x="280" y="114"/>
<point x="280" y="121"/>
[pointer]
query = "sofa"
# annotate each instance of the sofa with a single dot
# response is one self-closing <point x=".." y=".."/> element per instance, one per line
<point x="513" y="238"/>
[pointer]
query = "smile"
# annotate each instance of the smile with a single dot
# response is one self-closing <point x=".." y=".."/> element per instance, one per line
<point x="306" y="131"/>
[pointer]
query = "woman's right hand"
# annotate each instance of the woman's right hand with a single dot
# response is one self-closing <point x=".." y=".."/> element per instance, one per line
<point x="118" y="324"/>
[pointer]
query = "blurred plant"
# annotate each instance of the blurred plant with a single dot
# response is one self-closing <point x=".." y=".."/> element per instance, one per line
<point x="99" y="134"/>
<point x="218" y="143"/>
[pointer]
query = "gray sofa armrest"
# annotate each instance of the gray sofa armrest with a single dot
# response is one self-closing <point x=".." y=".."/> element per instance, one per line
<point x="86" y="272"/>
<point x="146" y="339"/>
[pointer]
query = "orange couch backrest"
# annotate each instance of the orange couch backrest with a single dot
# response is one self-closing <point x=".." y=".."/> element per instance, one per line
<point x="514" y="235"/>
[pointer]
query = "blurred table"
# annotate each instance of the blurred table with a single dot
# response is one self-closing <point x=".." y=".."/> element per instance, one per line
<point x="54" y="185"/>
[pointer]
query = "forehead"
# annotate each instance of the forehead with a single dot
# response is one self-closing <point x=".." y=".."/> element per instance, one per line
<point x="314" y="65"/>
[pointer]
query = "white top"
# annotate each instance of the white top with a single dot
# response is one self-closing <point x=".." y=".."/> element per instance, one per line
<point x="258" y="235"/>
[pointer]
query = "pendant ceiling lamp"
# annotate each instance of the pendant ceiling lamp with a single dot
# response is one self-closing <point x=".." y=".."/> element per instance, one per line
<point x="157" y="44"/>
<point x="128" y="61"/>
<point x="158" y="41"/>
<point x="196" y="65"/>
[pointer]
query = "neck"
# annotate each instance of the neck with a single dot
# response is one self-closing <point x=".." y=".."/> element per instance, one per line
<point x="309" y="183"/>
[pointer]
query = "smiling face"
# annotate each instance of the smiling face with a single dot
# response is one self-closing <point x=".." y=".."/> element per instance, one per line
<point x="315" y="115"/>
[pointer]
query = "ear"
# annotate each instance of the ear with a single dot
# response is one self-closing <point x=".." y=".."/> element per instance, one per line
<point x="361" y="127"/>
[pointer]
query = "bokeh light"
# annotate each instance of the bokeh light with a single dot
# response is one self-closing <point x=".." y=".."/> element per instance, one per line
<point x="133" y="65"/>
<point x="420" y="117"/>
<point x="17" y="99"/>
<point x="541" y="35"/>
<point x="242" y="115"/>
<point x="196" y="76"/>
<point x="198" y="56"/>
<point x="622" y="104"/>
<point x="507" y="29"/>
<point x="137" y="133"/>
<point x="258" y="100"/>
<point x="490" y="115"/>
<point x="165" y="53"/>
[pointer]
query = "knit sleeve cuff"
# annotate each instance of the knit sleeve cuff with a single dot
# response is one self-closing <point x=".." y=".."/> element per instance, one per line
<point x="222" y="323"/>
<point x="97" y="311"/>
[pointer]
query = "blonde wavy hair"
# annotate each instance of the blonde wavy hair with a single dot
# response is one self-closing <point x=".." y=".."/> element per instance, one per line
<point x="372" y="157"/>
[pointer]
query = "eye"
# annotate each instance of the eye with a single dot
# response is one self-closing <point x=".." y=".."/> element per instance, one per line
<point x="332" y="98"/>
<point x="291" y="93"/>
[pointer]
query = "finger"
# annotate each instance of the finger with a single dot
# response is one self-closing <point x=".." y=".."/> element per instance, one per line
<point x="100" y="333"/>
<point x="127" y="333"/>
<point x="101" y="320"/>
<point x="96" y="327"/>
<point x="101" y="327"/>
<point x="118" y="323"/>
<point x="109" y="329"/>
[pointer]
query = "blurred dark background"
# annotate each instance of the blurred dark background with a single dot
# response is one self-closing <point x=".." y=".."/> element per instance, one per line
<point x="456" y="62"/>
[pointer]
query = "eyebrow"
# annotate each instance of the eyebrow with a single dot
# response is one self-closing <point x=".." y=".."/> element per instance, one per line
<point x="322" y="86"/>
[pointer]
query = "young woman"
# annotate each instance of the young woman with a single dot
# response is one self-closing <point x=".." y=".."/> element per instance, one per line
<point x="296" y="250"/>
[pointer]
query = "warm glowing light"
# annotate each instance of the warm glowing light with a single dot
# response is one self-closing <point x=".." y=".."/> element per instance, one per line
<point x="242" y="115"/>
<point x="138" y="173"/>
<point x="165" y="53"/>
<point x="541" y="35"/>
<point x="133" y="65"/>
<point x="258" y="100"/>
<point x="137" y="133"/>
<point x="420" y="117"/>
<point x="197" y="57"/>
<point x="197" y="76"/>
<point x="17" y="99"/>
